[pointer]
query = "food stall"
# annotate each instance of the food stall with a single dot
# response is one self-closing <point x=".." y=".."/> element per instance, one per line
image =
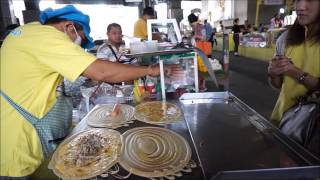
<point x="260" y="45"/>
<point x="254" y="45"/>
<point x="211" y="135"/>
<point x="220" y="135"/>
<point x="257" y="45"/>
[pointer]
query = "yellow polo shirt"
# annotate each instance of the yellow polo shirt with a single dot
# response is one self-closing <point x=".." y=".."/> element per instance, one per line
<point x="140" y="29"/>
<point x="34" y="59"/>
<point x="306" y="57"/>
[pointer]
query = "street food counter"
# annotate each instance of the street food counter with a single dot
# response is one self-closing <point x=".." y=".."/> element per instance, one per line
<point x="224" y="138"/>
<point x="260" y="45"/>
<point x="254" y="45"/>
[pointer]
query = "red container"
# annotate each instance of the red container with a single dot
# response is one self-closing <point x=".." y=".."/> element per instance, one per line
<point x="151" y="88"/>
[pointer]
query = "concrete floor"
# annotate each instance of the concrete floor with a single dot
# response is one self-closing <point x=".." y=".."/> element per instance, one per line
<point x="247" y="79"/>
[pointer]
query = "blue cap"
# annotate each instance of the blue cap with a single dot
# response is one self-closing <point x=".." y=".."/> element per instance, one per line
<point x="70" y="13"/>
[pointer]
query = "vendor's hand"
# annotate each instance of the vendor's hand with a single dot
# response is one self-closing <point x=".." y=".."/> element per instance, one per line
<point x="154" y="70"/>
<point x="174" y="70"/>
<point x="169" y="70"/>
<point x="278" y="66"/>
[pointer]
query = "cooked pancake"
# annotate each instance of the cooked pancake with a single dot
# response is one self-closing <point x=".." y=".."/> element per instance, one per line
<point x="158" y="112"/>
<point x="87" y="154"/>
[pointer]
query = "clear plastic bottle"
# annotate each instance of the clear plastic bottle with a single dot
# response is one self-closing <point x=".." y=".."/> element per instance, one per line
<point x="141" y="85"/>
<point x="158" y="91"/>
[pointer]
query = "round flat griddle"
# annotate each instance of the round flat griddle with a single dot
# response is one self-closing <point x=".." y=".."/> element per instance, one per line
<point x="158" y="112"/>
<point x="154" y="152"/>
<point x="101" y="116"/>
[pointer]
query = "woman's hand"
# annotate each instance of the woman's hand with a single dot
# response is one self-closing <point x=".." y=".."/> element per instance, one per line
<point x="290" y="69"/>
<point x="276" y="70"/>
<point x="278" y="66"/>
<point x="284" y="66"/>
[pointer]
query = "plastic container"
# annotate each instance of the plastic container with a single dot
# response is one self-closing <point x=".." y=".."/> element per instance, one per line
<point x="141" y="86"/>
<point x="137" y="47"/>
<point x="151" y="88"/>
<point x="140" y="47"/>
<point x="226" y="61"/>
<point x="152" y="46"/>
<point x="158" y="91"/>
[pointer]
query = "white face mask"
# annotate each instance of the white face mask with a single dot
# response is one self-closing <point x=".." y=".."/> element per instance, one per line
<point x="78" y="39"/>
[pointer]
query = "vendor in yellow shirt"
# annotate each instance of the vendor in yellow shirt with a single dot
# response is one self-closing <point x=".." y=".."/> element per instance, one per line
<point x="140" y="27"/>
<point x="34" y="59"/>
<point x="296" y="68"/>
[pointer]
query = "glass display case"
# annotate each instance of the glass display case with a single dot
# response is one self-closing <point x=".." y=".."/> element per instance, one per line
<point x="261" y="40"/>
<point x="164" y="30"/>
<point x="188" y="61"/>
<point x="257" y="40"/>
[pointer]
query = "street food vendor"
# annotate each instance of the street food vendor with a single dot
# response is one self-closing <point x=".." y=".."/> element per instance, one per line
<point x="34" y="59"/>
<point x="140" y="27"/>
<point x="113" y="48"/>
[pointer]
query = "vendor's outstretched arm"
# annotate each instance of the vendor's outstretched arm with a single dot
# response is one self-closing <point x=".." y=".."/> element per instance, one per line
<point x="106" y="71"/>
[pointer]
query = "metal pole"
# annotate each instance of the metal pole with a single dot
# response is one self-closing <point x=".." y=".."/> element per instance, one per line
<point x="257" y="12"/>
<point x="196" y="75"/>
<point x="163" y="87"/>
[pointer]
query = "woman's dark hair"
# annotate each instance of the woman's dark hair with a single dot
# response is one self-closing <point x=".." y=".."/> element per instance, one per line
<point x="296" y="33"/>
<point x="235" y="20"/>
<point x="113" y="25"/>
<point x="148" y="11"/>
<point x="192" y="18"/>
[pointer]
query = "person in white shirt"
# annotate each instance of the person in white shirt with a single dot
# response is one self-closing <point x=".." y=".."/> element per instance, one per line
<point x="112" y="49"/>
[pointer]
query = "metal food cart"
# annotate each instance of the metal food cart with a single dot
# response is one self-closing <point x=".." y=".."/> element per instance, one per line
<point x="229" y="140"/>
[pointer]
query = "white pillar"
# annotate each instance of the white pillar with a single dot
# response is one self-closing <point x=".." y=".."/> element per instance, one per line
<point x="204" y="9"/>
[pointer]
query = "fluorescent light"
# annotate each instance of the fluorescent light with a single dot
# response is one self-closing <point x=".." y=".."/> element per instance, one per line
<point x="133" y="0"/>
<point x="281" y="10"/>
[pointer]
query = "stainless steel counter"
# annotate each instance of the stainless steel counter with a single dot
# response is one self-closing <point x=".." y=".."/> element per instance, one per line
<point x="162" y="52"/>
<point x="227" y="136"/>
